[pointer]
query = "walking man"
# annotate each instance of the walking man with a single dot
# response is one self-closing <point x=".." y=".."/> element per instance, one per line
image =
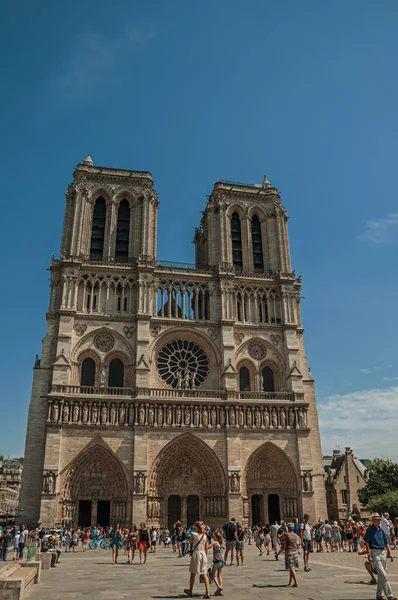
<point x="231" y="537"/>
<point x="378" y="551"/>
<point x="305" y="534"/>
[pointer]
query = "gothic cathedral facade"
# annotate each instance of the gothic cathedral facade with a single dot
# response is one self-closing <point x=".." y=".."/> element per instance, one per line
<point x="168" y="391"/>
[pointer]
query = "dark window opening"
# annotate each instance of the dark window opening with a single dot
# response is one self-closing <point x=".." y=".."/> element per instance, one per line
<point x="116" y="373"/>
<point x="87" y="376"/>
<point x="244" y="379"/>
<point x="98" y="230"/>
<point x="236" y="235"/>
<point x="125" y="304"/>
<point x="88" y="301"/>
<point x="123" y="231"/>
<point x="119" y="302"/>
<point x="268" y="380"/>
<point x="257" y="244"/>
<point x="94" y="302"/>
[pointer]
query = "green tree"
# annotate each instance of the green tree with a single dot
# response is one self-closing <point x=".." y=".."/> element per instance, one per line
<point x="387" y="502"/>
<point x="383" y="478"/>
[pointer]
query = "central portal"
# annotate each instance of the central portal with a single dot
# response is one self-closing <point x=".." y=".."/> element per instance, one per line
<point x="84" y="519"/>
<point x="192" y="510"/>
<point x="103" y="513"/>
<point x="174" y="511"/>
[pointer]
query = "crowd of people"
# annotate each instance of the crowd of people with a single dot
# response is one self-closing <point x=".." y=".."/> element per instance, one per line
<point x="292" y="540"/>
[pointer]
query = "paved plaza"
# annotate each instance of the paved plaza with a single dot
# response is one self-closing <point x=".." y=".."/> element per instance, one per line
<point x="91" y="575"/>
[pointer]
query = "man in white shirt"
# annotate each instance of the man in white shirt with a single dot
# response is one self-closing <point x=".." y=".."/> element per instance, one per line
<point x="386" y="526"/>
<point x="305" y="534"/>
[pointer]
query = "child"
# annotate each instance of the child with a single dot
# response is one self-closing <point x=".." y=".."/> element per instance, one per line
<point x="218" y="561"/>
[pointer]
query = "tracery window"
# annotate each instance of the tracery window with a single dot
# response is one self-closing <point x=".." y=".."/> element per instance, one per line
<point x="268" y="379"/>
<point x="257" y="244"/>
<point x="98" y="230"/>
<point x="116" y="373"/>
<point x="122" y="231"/>
<point x="87" y="375"/>
<point x="244" y="379"/>
<point x="236" y="236"/>
<point x="182" y="364"/>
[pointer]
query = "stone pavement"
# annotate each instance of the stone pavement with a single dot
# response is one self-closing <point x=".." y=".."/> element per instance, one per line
<point x="91" y="575"/>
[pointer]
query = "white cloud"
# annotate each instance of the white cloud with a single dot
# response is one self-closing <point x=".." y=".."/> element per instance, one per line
<point x="364" y="420"/>
<point x="390" y="379"/>
<point x="365" y="371"/>
<point x="381" y="230"/>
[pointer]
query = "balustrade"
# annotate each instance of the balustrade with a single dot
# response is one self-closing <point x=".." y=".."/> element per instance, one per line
<point x="174" y="393"/>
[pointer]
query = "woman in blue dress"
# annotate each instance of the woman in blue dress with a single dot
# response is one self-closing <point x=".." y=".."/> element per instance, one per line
<point x="116" y="542"/>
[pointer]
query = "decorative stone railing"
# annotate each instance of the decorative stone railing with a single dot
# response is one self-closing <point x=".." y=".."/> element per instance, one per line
<point x="133" y="413"/>
<point x="226" y="395"/>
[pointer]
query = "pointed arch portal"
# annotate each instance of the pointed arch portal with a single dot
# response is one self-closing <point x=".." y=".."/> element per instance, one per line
<point x="270" y="484"/>
<point x="187" y="482"/>
<point x="94" y="489"/>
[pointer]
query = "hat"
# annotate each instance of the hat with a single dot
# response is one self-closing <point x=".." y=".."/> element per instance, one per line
<point x="375" y="516"/>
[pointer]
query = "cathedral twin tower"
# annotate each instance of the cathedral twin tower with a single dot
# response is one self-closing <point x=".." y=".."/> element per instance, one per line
<point x="167" y="391"/>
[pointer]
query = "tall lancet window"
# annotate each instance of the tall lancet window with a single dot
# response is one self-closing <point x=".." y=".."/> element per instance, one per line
<point x="98" y="230"/>
<point x="123" y="231"/>
<point x="258" y="262"/>
<point x="236" y="235"/>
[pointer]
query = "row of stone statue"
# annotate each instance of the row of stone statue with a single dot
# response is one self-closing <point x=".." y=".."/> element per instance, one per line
<point x="290" y="507"/>
<point x="188" y="415"/>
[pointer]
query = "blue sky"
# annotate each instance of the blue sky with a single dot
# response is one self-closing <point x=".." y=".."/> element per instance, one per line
<point x="302" y="91"/>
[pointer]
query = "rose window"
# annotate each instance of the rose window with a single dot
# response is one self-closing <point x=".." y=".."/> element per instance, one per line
<point x="183" y="365"/>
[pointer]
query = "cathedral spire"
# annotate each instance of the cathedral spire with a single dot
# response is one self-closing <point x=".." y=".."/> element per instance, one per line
<point x="88" y="160"/>
<point x="265" y="184"/>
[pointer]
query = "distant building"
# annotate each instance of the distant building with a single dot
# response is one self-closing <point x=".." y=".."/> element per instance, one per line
<point x="11" y="471"/>
<point x="345" y="475"/>
<point x="9" y="498"/>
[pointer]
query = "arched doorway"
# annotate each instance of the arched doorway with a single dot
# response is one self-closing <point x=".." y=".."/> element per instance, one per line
<point x="270" y="483"/>
<point x="186" y="483"/>
<point x="94" y="489"/>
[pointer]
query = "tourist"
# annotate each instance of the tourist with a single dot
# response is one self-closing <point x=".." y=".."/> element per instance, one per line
<point x="218" y="561"/>
<point x="282" y="529"/>
<point x="68" y="537"/>
<point x="16" y="546"/>
<point x="379" y="550"/>
<point x="349" y="536"/>
<point x="131" y="544"/>
<point x="116" y="542"/>
<point x="259" y="538"/>
<point x="343" y="535"/>
<point x="336" y="536"/>
<point x="85" y="538"/>
<point x="249" y="535"/>
<point x="154" y="539"/>
<point x="75" y="540"/>
<point x="274" y="536"/>
<point x="178" y="528"/>
<point x="291" y="542"/>
<point x="22" y="541"/>
<point x="386" y="526"/>
<point x="371" y="569"/>
<point x="6" y="540"/>
<point x="305" y="534"/>
<point x="198" y="564"/>
<point x="240" y="544"/>
<point x="317" y="536"/>
<point x="327" y="535"/>
<point x="143" y="541"/>
<point x="267" y="538"/>
<point x="229" y="530"/>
